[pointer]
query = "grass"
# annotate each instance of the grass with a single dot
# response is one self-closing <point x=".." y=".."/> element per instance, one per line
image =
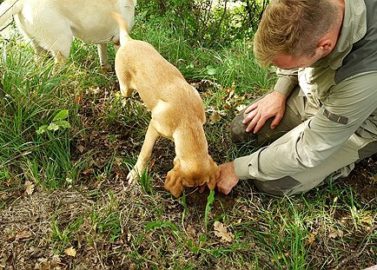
<point x="80" y="199"/>
<point x="210" y="200"/>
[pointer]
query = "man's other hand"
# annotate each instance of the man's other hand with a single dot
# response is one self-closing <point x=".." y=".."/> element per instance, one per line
<point x="270" y="106"/>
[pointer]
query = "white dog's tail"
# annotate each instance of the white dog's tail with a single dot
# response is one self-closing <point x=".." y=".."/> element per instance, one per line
<point x="123" y="28"/>
<point x="7" y="9"/>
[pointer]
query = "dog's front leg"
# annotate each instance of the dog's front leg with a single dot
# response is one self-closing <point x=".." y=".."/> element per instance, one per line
<point x="103" y="57"/>
<point x="145" y="154"/>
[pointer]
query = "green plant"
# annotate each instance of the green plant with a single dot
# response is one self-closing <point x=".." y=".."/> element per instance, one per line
<point x="145" y="181"/>
<point x="210" y="200"/>
<point x="107" y="221"/>
<point x="59" y="122"/>
<point x="63" y="236"/>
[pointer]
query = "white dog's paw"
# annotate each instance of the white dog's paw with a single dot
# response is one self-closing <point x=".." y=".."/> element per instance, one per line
<point x="133" y="176"/>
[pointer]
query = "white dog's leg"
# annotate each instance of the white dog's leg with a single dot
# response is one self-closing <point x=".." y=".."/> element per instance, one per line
<point x="54" y="36"/>
<point x="38" y="49"/>
<point x="40" y="53"/>
<point x="60" y="59"/>
<point x="103" y="57"/>
<point x="145" y="153"/>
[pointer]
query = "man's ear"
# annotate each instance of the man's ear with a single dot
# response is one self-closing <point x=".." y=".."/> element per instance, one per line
<point x="173" y="183"/>
<point x="325" y="45"/>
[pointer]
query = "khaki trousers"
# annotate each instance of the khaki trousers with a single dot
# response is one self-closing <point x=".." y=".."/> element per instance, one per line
<point x="299" y="109"/>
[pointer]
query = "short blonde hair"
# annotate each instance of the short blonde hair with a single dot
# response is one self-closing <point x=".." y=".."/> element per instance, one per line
<point x="292" y="27"/>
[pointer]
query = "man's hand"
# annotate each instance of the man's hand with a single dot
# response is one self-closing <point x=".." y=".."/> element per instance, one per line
<point x="228" y="178"/>
<point x="270" y="106"/>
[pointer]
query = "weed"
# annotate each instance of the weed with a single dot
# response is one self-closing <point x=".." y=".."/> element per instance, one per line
<point x="64" y="236"/>
<point x="107" y="220"/>
<point x="210" y="200"/>
<point x="146" y="181"/>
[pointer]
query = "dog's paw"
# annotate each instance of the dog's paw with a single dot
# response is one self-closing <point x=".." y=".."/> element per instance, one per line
<point x="106" y="68"/>
<point x="133" y="176"/>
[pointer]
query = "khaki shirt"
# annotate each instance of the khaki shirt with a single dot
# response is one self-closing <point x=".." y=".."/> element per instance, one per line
<point x="351" y="103"/>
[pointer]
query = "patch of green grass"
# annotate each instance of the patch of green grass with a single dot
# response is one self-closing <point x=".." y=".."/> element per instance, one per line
<point x="31" y="95"/>
<point x="107" y="221"/>
<point x="210" y="200"/>
<point x="145" y="178"/>
<point x="34" y="145"/>
<point x="64" y="235"/>
<point x="145" y="181"/>
<point x="160" y="224"/>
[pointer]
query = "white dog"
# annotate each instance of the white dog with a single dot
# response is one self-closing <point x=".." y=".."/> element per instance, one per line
<point x="51" y="24"/>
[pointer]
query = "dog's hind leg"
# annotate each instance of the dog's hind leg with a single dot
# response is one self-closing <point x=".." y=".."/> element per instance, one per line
<point x="103" y="57"/>
<point x="40" y="52"/>
<point x="125" y="86"/>
<point x="145" y="154"/>
<point x="61" y="55"/>
<point x="61" y="52"/>
<point x="37" y="48"/>
<point x="60" y="59"/>
<point x="58" y="44"/>
<point x="56" y="38"/>
<point x="125" y="90"/>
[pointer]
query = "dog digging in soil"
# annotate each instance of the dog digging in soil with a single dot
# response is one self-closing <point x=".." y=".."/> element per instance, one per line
<point x="177" y="113"/>
<point x="50" y="25"/>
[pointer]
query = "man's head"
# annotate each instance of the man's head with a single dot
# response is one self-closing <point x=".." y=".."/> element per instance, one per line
<point x="297" y="33"/>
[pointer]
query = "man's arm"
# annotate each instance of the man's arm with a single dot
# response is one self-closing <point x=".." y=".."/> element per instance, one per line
<point x="286" y="82"/>
<point x="350" y="103"/>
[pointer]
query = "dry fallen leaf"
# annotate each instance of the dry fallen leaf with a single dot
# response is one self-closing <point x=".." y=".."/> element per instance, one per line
<point x="311" y="238"/>
<point x="48" y="263"/>
<point x="222" y="232"/>
<point x="214" y="117"/>
<point x="241" y="107"/>
<point x="81" y="148"/>
<point x="335" y="233"/>
<point x="70" y="252"/>
<point x="29" y="187"/>
<point x="78" y="99"/>
<point x="23" y="235"/>
<point x="191" y="231"/>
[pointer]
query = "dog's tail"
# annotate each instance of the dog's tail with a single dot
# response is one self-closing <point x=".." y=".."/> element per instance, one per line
<point x="123" y="28"/>
<point x="7" y="9"/>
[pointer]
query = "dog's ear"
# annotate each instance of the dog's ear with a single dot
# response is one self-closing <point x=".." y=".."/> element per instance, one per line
<point x="173" y="183"/>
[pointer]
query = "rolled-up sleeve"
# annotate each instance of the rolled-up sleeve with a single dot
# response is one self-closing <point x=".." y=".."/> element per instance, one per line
<point x="286" y="82"/>
<point x="350" y="103"/>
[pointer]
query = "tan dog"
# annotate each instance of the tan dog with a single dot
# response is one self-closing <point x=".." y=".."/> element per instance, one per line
<point x="177" y="113"/>
<point x="51" y="24"/>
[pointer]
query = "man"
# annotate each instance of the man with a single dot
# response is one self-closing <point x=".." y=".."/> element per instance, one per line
<point x="322" y="112"/>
